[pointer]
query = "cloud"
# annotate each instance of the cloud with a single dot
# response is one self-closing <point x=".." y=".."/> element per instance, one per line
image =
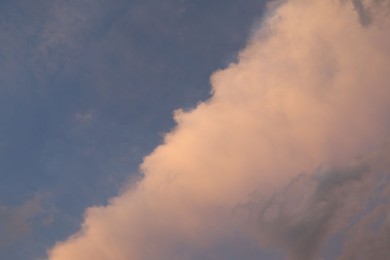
<point x="15" y="222"/>
<point x="368" y="236"/>
<point x="363" y="13"/>
<point x="313" y="207"/>
<point x="272" y="155"/>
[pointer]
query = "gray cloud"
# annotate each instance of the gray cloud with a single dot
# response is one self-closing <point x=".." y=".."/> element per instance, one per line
<point x="363" y="13"/>
<point x="368" y="237"/>
<point x="303" y="216"/>
<point x="365" y="243"/>
<point x="370" y="11"/>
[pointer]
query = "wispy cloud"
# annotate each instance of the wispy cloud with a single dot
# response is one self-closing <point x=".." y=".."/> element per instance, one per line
<point x="16" y="222"/>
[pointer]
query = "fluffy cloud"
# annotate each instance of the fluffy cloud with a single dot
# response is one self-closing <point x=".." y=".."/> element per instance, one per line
<point x="310" y="89"/>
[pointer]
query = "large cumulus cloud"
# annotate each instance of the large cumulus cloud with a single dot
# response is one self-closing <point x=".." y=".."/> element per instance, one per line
<point x="272" y="156"/>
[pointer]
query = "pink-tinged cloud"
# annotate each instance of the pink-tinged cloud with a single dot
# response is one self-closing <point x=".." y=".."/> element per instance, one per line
<point x="272" y="155"/>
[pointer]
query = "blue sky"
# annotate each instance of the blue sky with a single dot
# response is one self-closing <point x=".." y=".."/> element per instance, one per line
<point x="87" y="89"/>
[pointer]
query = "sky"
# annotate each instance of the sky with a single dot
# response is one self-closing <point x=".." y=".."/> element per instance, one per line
<point x="194" y="129"/>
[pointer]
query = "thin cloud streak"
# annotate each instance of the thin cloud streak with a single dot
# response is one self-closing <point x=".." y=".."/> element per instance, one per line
<point x="309" y="90"/>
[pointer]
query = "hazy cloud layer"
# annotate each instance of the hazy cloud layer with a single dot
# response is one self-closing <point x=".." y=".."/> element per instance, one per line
<point x="272" y="155"/>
